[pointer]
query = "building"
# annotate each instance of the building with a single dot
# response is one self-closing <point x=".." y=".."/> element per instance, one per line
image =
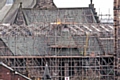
<point x="7" y="73"/>
<point x="71" y="41"/>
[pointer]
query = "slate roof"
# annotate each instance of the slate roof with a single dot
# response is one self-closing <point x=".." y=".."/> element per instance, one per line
<point x="48" y="45"/>
<point x="24" y="40"/>
<point x="49" y="9"/>
<point x="4" y="49"/>
<point x="26" y="46"/>
<point x="78" y="15"/>
<point x="42" y="28"/>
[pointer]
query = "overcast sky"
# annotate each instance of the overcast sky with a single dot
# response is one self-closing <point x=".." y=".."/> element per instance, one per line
<point x="102" y="6"/>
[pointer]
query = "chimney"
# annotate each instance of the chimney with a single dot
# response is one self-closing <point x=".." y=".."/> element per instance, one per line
<point x="91" y="6"/>
<point x="20" y="4"/>
<point x="45" y="4"/>
<point x="91" y="1"/>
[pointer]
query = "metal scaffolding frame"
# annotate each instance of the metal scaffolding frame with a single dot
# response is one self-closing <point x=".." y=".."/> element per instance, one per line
<point x="70" y="49"/>
<point x="117" y="33"/>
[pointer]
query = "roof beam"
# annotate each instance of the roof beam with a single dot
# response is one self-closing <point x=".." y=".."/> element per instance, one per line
<point x="21" y="57"/>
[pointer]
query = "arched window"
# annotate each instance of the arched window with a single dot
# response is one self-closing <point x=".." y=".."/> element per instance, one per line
<point x="9" y="1"/>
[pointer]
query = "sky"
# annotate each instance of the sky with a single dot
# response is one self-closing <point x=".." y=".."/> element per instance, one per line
<point x="102" y="6"/>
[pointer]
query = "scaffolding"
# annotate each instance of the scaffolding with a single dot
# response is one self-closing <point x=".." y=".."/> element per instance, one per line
<point x="80" y="51"/>
<point x="117" y="33"/>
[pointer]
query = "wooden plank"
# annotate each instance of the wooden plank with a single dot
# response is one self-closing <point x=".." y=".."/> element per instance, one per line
<point x="21" y="57"/>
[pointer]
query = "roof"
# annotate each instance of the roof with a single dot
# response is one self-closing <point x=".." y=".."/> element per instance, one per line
<point x="49" y="10"/>
<point x="43" y="28"/>
<point x="41" y="45"/>
<point x="68" y="15"/>
<point x="9" y="15"/>
<point x="4" y="49"/>
<point x="27" y="46"/>
<point x="41" y="40"/>
<point x="1" y="63"/>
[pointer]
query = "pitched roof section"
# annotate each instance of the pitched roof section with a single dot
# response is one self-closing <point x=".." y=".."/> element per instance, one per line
<point x="4" y="49"/>
<point x="27" y="45"/>
<point x="36" y="40"/>
<point x="48" y="5"/>
<point x="41" y="45"/>
<point x="69" y="15"/>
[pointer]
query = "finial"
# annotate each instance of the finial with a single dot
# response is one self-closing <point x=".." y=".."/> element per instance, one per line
<point x="20" y="4"/>
<point x="46" y="65"/>
<point x="91" y="1"/>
